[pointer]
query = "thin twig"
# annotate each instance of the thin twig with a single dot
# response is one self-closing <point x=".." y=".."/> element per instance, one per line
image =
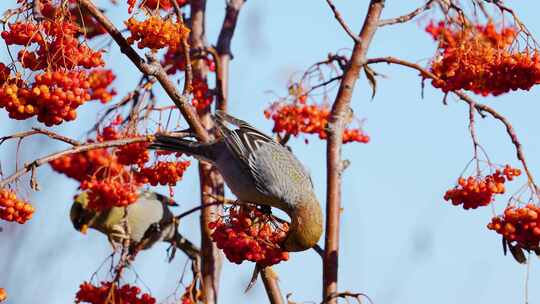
<point x="409" y="16"/>
<point x="342" y="22"/>
<point x="45" y="132"/>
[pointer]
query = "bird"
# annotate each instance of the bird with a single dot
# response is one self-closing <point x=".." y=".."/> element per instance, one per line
<point x="258" y="170"/>
<point x="144" y="223"/>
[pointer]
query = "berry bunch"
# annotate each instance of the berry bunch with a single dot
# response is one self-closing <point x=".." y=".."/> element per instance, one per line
<point x="202" y="98"/>
<point x="108" y="292"/>
<point x="299" y="118"/>
<point x="13" y="209"/>
<point x="249" y="234"/>
<point x="58" y="35"/>
<point x="133" y="154"/>
<point x="473" y="192"/>
<point x="520" y="225"/>
<point x="156" y="33"/>
<point x="109" y="192"/>
<point x="481" y="59"/>
<point x="99" y="81"/>
<point x="162" y="173"/>
<point x="82" y="166"/>
<point x="130" y="154"/>
<point x="88" y="25"/>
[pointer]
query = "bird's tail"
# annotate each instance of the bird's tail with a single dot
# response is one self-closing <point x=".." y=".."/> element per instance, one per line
<point x="175" y="144"/>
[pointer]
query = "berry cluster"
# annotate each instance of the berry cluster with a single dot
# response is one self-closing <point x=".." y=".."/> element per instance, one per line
<point x="481" y="59"/>
<point x="109" y="192"/>
<point x="299" y="118"/>
<point x="249" y="234"/>
<point x="82" y="166"/>
<point x="133" y="154"/>
<point x="202" y="97"/>
<point x="474" y="192"/>
<point x="3" y="294"/>
<point x="130" y="154"/>
<point x="99" y="81"/>
<point x="53" y="97"/>
<point x="13" y="209"/>
<point x="57" y="45"/>
<point x="520" y="225"/>
<point x="162" y="173"/>
<point x="108" y="292"/>
<point x="88" y="25"/>
<point x="156" y="33"/>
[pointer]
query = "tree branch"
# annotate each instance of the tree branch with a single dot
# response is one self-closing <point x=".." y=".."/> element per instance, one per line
<point x="342" y="22"/>
<point x="271" y="285"/>
<point x="337" y="121"/>
<point x="223" y="49"/>
<point x="153" y="68"/>
<point x="76" y="149"/>
<point x="481" y="108"/>
<point x="409" y="16"/>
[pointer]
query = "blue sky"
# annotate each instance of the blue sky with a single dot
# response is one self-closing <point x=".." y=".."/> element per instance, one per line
<point x="400" y="242"/>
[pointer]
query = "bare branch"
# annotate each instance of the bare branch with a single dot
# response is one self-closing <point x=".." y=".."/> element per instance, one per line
<point x="409" y="16"/>
<point x="336" y="124"/>
<point x="342" y="22"/>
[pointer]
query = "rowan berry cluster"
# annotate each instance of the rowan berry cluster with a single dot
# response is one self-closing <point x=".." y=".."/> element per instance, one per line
<point x="162" y="173"/>
<point x="130" y="154"/>
<point x="156" y="33"/>
<point x="475" y="191"/>
<point x="88" y="25"/>
<point x="249" y="234"/>
<point x="3" y="294"/>
<point x="99" y="81"/>
<point x="13" y="209"/>
<point x="82" y="166"/>
<point x="520" y="225"/>
<point x="109" y="192"/>
<point x="57" y="35"/>
<point x="481" y="59"/>
<point x="202" y="97"/>
<point x="108" y="292"/>
<point x="299" y="118"/>
<point x="54" y="94"/>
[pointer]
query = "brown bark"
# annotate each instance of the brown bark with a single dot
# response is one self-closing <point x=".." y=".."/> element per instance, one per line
<point x="337" y="121"/>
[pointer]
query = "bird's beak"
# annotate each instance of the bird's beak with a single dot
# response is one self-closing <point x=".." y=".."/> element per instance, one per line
<point x="84" y="229"/>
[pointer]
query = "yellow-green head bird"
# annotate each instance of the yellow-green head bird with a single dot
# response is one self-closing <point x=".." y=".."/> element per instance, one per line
<point x="143" y="223"/>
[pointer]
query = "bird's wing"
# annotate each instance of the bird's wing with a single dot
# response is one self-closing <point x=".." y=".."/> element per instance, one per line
<point x="142" y="214"/>
<point x="244" y="142"/>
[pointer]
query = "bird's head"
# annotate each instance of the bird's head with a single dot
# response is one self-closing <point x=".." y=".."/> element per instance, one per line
<point x="306" y="224"/>
<point x="81" y="216"/>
